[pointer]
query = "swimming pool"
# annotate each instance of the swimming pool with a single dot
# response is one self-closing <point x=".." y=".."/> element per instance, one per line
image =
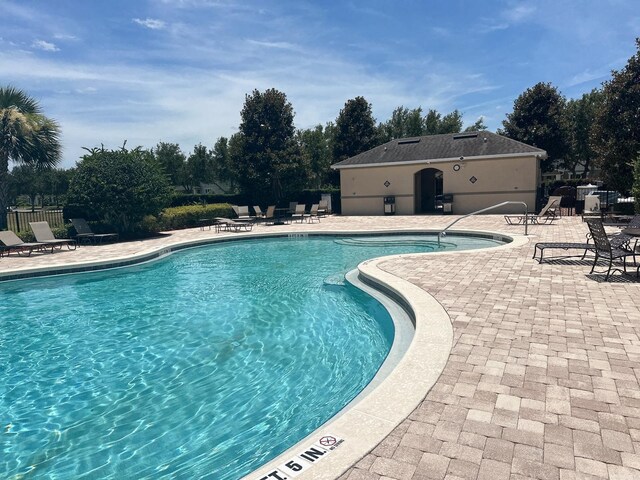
<point x="151" y="370"/>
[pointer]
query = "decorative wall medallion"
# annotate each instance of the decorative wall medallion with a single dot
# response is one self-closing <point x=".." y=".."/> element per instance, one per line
<point x="473" y="179"/>
<point x="456" y="167"/>
<point x="387" y="183"/>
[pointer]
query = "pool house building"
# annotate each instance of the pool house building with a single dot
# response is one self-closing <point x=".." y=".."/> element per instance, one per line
<point x="450" y="173"/>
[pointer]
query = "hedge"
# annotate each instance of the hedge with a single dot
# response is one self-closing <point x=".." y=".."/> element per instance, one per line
<point x="307" y="196"/>
<point x="189" y="216"/>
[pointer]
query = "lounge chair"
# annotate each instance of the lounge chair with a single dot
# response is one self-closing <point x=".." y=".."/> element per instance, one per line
<point x="84" y="233"/>
<point x="270" y="215"/>
<point x="242" y="212"/>
<point x="323" y="208"/>
<point x="546" y="216"/>
<point x="542" y="246"/>
<point x="313" y="213"/>
<point x="298" y="213"/>
<point x="43" y="234"/>
<point x="258" y="211"/>
<point x="229" y="225"/>
<point x="603" y="248"/>
<point x="10" y="242"/>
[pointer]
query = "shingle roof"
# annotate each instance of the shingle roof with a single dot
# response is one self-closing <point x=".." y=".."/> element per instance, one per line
<point x="434" y="147"/>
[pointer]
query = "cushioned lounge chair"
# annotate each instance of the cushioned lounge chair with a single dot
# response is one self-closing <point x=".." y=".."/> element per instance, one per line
<point x="84" y="233"/>
<point x="605" y="250"/>
<point x="43" y="234"/>
<point x="10" y="242"/>
<point x="547" y="215"/>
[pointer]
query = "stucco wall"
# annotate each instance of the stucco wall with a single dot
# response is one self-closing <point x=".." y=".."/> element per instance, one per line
<point x="497" y="180"/>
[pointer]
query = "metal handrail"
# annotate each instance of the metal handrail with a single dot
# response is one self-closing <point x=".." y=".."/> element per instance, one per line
<point x="443" y="233"/>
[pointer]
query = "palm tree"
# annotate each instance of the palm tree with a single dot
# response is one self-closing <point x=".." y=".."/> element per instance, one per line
<point x="26" y="137"/>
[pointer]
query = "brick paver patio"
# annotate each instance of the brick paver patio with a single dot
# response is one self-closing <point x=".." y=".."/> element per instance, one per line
<point x="542" y="379"/>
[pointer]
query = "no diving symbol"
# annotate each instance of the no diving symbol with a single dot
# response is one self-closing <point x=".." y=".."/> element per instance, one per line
<point x="328" y="441"/>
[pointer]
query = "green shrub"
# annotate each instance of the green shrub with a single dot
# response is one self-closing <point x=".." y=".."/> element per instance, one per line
<point x="189" y="216"/>
<point x="119" y="188"/>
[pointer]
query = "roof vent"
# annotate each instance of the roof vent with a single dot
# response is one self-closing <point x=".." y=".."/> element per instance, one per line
<point x="465" y="135"/>
<point x="408" y="141"/>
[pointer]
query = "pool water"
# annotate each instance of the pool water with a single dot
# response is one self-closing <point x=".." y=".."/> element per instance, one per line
<point x="205" y="364"/>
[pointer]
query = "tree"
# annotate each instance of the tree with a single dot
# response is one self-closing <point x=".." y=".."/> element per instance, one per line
<point x="26" y="137"/>
<point x="120" y="187"/>
<point x="403" y="123"/>
<point x="223" y="163"/>
<point x="580" y="117"/>
<point x="316" y="150"/>
<point x="616" y="133"/>
<point x="451" y="123"/>
<point x="538" y="119"/>
<point x="172" y="160"/>
<point x="355" y="129"/>
<point x="271" y="164"/>
<point x="478" y="126"/>
<point x="29" y="182"/>
<point x="200" y="165"/>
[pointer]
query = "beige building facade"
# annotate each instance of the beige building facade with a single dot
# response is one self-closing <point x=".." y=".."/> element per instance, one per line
<point x="477" y="176"/>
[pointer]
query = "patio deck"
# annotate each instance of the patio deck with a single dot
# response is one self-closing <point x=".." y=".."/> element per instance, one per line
<point x="542" y="379"/>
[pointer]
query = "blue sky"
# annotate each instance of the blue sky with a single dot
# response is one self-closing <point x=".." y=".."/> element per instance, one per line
<point x="178" y="70"/>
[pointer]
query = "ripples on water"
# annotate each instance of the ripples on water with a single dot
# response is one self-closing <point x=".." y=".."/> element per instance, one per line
<point x="205" y="364"/>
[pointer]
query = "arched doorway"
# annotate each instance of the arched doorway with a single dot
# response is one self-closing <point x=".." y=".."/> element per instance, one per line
<point x="428" y="191"/>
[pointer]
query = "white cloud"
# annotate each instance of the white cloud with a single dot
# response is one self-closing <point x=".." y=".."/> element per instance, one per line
<point x="46" y="46"/>
<point x="152" y="23"/>
<point x="519" y="13"/>
<point x="64" y="36"/>
<point x="279" y="45"/>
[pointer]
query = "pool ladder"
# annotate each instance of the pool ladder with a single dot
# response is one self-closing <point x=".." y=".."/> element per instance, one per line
<point x="443" y="232"/>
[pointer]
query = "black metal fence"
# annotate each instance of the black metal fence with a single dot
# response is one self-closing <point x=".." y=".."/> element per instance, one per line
<point x="18" y="221"/>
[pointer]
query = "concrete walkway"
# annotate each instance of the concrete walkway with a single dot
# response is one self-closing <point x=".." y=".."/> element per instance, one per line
<point x="542" y="379"/>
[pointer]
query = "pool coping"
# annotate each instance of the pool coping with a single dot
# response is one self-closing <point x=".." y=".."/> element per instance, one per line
<point x="369" y="420"/>
<point x="159" y="252"/>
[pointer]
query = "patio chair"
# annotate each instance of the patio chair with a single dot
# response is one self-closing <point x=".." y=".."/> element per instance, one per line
<point x="242" y="212"/>
<point x="43" y="234"/>
<point x="313" y="214"/>
<point x="258" y="211"/>
<point x="298" y="213"/>
<point x="229" y="225"/>
<point x="323" y="208"/>
<point x="603" y="248"/>
<point x="270" y="215"/>
<point x="546" y="216"/>
<point x="84" y="232"/>
<point x="10" y="242"/>
<point x="622" y="240"/>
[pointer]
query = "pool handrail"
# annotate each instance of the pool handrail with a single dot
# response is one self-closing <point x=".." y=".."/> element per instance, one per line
<point x="443" y="233"/>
